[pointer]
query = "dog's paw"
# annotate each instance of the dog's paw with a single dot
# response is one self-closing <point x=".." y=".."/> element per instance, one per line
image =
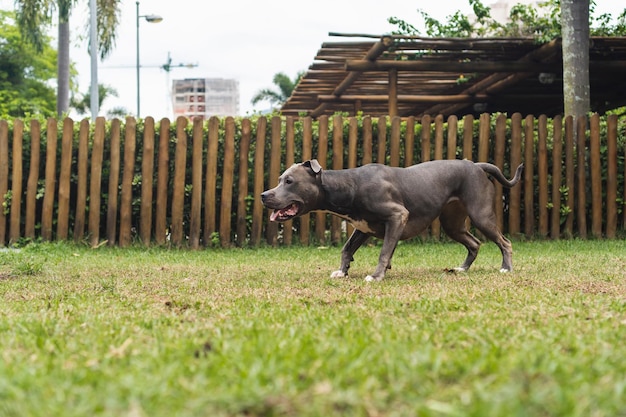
<point x="338" y="274"/>
<point x="460" y="269"/>
<point x="370" y="278"/>
<point x="504" y="270"/>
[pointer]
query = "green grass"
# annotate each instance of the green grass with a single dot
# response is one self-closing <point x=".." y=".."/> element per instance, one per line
<point x="265" y="332"/>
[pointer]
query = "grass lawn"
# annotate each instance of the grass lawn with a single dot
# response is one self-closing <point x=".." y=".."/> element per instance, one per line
<point x="264" y="332"/>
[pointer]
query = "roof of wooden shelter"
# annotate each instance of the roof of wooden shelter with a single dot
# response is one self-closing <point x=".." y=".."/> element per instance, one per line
<point x="413" y="76"/>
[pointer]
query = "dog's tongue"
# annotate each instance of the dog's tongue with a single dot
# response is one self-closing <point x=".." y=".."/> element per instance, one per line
<point x="274" y="215"/>
<point x="288" y="211"/>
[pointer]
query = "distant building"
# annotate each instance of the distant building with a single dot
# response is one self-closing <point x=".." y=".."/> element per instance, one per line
<point x="205" y="97"/>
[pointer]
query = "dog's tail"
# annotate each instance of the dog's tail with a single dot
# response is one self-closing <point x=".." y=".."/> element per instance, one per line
<point x="495" y="172"/>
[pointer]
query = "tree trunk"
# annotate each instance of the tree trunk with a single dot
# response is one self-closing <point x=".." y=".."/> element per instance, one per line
<point x="63" y="67"/>
<point x="575" y="33"/>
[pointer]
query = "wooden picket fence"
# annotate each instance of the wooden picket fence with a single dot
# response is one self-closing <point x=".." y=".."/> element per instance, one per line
<point x="199" y="186"/>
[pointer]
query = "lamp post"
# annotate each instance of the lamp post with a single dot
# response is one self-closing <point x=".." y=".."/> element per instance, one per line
<point x="93" y="45"/>
<point x="152" y="18"/>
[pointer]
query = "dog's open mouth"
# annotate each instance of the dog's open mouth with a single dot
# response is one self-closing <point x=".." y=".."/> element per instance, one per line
<point x="289" y="212"/>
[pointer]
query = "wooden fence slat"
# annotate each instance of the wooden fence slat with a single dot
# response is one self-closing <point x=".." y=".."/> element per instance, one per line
<point x="498" y="160"/>
<point x="353" y="138"/>
<point x="114" y="181"/>
<point x="409" y="141"/>
<point x="570" y="179"/>
<point x="394" y="142"/>
<point x="438" y="152"/>
<point x="468" y="137"/>
<point x="435" y="227"/>
<point x="33" y="179"/>
<point x="557" y="177"/>
<point x="307" y="149"/>
<point x="596" y="176"/>
<point x="381" y="155"/>
<point x="226" y="203"/>
<point x="542" y="174"/>
<point x="242" y="187"/>
<point x="453" y="126"/>
<point x="160" y="221"/>
<point x="271" y="231"/>
<point x="529" y="175"/>
<point x="482" y="154"/>
<point x="611" y="178"/>
<point x="289" y="161"/>
<point x="210" y="187"/>
<point x="147" y="182"/>
<point x="259" y="184"/>
<point x="368" y="135"/>
<point x="581" y="166"/>
<point x="95" y="186"/>
<point x="322" y="154"/>
<point x="178" y="192"/>
<point x="4" y="177"/>
<point x="128" y="174"/>
<point x="425" y="138"/>
<point x="468" y="147"/>
<point x="484" y="129"/>
<point x="16" y="184"/>
<point x="424" y="157"/>
<point x="516" y="159"/>
<point x="335" y="221"/>
<point x="81" y="186"/>
<point x="64" y="179"/>
<point x="195" y="219"/>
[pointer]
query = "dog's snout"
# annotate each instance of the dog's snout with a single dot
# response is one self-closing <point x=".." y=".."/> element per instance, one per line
<point x="264" y="196"/>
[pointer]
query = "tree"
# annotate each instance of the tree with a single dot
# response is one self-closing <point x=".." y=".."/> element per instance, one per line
<point x="25" y="74"/>
<point x="82" y="103"/>
<point x="575" y="30"/>
<point x="285" y="88"/>
<point x="34" y="18"/>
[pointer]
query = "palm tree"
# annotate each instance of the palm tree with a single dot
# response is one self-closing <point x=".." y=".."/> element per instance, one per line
<point x="82" y="103"/>
<point x="285" y="88"/>
<point x="35" y="16"/>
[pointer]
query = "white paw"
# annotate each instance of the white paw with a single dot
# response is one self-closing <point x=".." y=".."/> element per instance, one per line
<point x="504" y="270"/>
<point x="460" y="269"/>
<point x="338" y="274"/>
<point x="369" y="278"/>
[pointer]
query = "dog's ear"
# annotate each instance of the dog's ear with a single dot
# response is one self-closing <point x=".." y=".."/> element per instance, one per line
<point x="314" y="165"/>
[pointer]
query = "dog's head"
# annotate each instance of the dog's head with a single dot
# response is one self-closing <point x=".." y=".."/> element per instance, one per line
<point x="298" y="191"/>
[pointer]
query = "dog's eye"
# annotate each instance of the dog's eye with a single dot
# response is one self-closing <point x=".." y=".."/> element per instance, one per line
<point x="288" y="181"/>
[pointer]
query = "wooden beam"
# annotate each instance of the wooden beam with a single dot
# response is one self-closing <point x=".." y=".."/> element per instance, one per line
<point x="440" y="99"/>
<point x="375" y="51"/>
<point x="476" y="66"/>
<point x="455" y="67"/>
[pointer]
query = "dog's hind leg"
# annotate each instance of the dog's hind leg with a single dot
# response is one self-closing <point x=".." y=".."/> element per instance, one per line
<point x="484" y="218"/>
<point x="452" y="219"/>
<point x="356" y="240"/>
<point x="491" y="232"/>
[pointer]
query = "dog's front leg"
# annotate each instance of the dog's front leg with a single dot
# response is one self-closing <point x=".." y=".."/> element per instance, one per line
<point x="393" y="231"/>
<point x="356" y="240"/>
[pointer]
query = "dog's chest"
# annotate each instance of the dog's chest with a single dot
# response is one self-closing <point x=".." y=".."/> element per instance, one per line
<point x="360" y="224"/>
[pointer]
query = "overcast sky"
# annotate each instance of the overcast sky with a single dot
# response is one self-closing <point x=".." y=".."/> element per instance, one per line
<point x="246" y="40"/>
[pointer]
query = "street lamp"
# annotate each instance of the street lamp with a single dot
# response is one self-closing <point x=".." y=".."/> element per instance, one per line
<point x="152" y="18"/>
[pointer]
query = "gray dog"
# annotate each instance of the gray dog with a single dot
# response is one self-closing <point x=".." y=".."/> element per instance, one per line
<point x="396" y="203"/>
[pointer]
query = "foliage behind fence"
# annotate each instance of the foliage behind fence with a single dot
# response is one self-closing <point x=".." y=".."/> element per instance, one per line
<point x="196" y="183"/>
